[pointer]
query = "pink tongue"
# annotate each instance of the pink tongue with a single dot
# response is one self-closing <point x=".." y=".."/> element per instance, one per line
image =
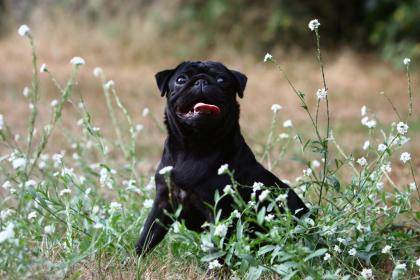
<point x="207" y="108"/>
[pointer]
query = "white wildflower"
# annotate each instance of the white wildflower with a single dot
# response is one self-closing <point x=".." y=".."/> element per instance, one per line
<point x="386" y="167"/>
<point x="381" y="148"/>
<point x="366" y="273"/>
<point x="313" y="24"/>
<point x="77" y="61"/>
<point x="65" y="191"/>
<point x="315" y="163"/>
<point x="166" y="170"/>
<point x="362" y="161"/>
<point x="264" y="194"/>
<point x="287" y="123"/>
<point x="418" y="262"/>
<point x="105" y="178"/>
<point x="176" y="227"/>
<point x="139" y="127"/>
<point x="32" y="215"/>
<point x="115" y="206"/>
<point x="412" y="186"/>
<point x="337" y="249"/>
<point x="379" y="186"/>
<point x="321" y="93"/>
<point x="402" y="128"/>
<point x="257" y="186"/>
<point x="386" y="249"/>
<point x="54" y="103"/>
<point x="224" y="168"/>
<point x="276" y="107"/>
<point x="214" y="264"/>
<point x="283" y="136"/>
<point x="220" y="230"/>
<point x="406" y="61"/>
<point x="50" y="229"/>
<point x="327" y="257"/>
<point x="24" y="30"/>
<point x="228" y="189"/>
<point x="366" y="145"/>
<point x="25" y="91"/>
<point x="98" y="226"/>
<point x="363" y="110"/>
<point x="30" y="183"/>
<point x="352" y="252"/>
<point x="7" y="233"/>
<point x="206" y="244"/>
<point x="43" y="68"/>
<point x="268" y="57"/>
<point x="6" y="185"/>
<point x="236" y="214"/>
<point x="307" y="172"/>
<point x="4" y="214"/>
<point x="148" y="203"/>
<point x="269" y="217"/>
<point x="405" y="157"/>
<point x="145" y="112"/>
<point x="19" y="163"/>
<point x="98" y="72"/>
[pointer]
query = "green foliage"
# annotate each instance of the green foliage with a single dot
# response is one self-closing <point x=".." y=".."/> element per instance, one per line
<point x="56" y="213"/>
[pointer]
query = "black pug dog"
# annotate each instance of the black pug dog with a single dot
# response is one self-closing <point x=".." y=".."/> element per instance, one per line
<point x="202" y="119"/>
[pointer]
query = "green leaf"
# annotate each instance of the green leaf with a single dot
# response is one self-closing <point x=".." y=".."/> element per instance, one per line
<point x="254" y="273"/>
<point x="333" y="181"/>
<point x="265" y="249"/>
<point x="315" y="254"/>
<point x="261" y="216"/>
<point x="239" y="230"/>
<point x="212" y="256"/>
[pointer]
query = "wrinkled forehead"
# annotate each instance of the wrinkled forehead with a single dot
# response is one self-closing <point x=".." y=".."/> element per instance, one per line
<point x="196" y="67"/>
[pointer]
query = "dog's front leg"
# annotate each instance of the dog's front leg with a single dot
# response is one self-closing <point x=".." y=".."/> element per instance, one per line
<point x="156" y="225"/>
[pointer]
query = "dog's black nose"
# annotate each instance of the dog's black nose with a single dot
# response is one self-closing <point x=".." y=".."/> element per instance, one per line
<point x="201" y="83"/>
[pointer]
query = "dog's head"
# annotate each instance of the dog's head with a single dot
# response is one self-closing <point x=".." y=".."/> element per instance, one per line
<point x="201" y="95"/>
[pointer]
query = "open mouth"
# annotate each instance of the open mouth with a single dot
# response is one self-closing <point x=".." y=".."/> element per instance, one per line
<point x="199" y="109"/>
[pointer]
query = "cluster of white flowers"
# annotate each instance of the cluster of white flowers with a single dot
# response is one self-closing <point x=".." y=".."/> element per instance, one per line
<point x="313" y="24"/>
<point x="105" y="177"/>
<point x="276" y="107"/>
<point x="386" y="249"/>
<point x="370" y="123"/>
<point x="206" y="244"/>
<point x="386" y="167"/>
<point x="115" y="206"/>
<point x="402" y="128"/>
<point x="362" y="161"/>
<point x="235" y="213"/>
<point x="406" y="61"/>
<point x="220" y="230"/>
<point x="257" y="186"/>
<point x="49" y="229"/>
<point x="307" y="172"/>
<point x="281" y="197"/>
<point x="268" y="57"/>
<point x="98" y="72"/>
<point x="327" y="257"/>
<point x="382" y="148"/>
<point x="148" y="203"/>
<point x="228" y="189"/>
<point x="7" y="233"/>
<point x="166" y="170"/>
<point x="269" y="217"/>
<point x="321" y="93"/>
<point x="405" y="157"/>
<point x="352" y="252"/>
<point x="214" y="264"/>
<point x="366" y="273"/>
<point x="24" y="30"/>
<point x="287" y="123"/>
<point x="224" y="168"/>
<point x="32" y="215"/>
<point x="77" y="61"/>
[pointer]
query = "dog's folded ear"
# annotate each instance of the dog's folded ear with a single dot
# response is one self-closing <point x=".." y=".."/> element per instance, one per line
<point x="241" y="82"/>
<point x="162" y="80"/>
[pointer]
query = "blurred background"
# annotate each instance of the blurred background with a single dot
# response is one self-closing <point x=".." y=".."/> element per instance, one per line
<point x="363" y="45"/>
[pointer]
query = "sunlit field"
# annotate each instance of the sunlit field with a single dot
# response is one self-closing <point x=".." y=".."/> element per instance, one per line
<point x="81" y="129"/>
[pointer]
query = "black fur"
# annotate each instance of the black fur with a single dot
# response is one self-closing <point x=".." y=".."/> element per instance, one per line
<point x="196" y="147"/>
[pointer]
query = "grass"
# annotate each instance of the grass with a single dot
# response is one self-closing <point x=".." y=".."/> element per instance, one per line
<point x="75" y="192"/>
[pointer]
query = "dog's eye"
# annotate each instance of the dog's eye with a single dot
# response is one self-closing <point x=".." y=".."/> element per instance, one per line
<point x="181" y="80"/>
<point x="220" y="80"/>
